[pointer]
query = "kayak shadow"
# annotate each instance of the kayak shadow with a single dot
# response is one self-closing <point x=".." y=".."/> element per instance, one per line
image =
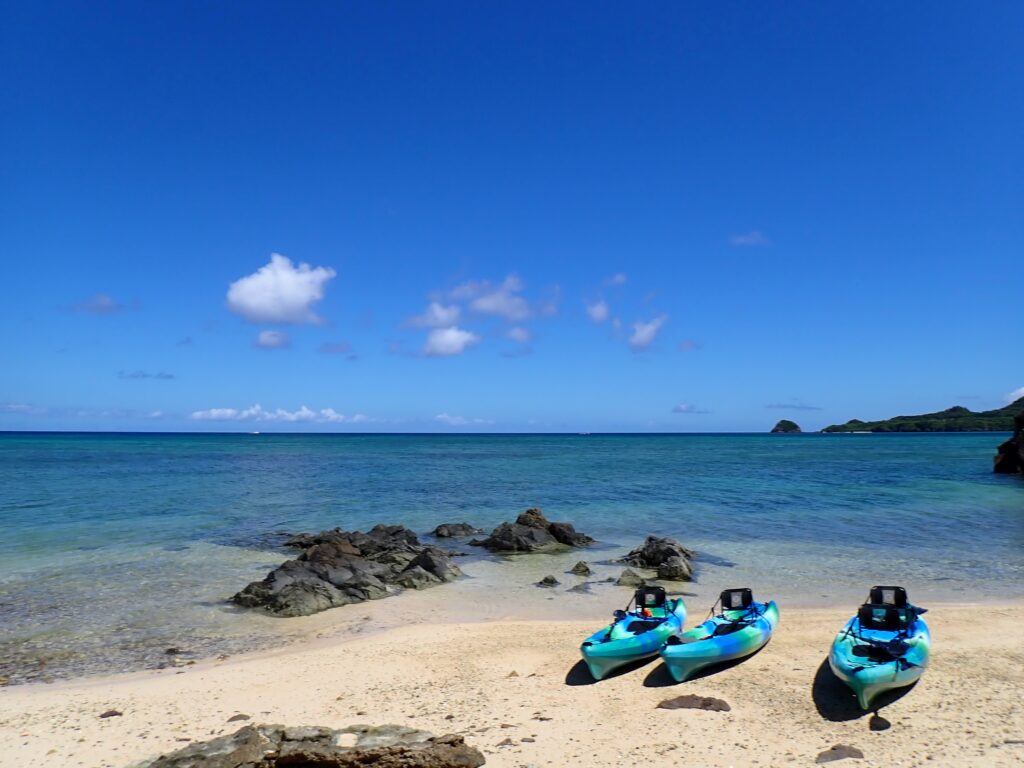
<point x="835" y="700"/>
<point x="660" y="677"/>
<point x="579" y="673"/>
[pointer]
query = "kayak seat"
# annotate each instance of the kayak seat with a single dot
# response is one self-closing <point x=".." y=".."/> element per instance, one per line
<point x="873" y="653"/>
<point x="729" y="627"/>
<point x="894" y="596"/>
<point x="888" y="618"/>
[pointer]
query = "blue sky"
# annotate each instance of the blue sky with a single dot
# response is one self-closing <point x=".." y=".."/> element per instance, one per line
<point x="513" y="217"/>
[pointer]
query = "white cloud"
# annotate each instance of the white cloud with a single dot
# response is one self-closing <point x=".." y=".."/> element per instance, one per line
<point x="436" y="315"/>
<point x="20" y="408"/>
<point x="598" y="311"/>
<point x="279" y="292"/>
<point x="446" y="342"/>
<point x="520" y="334"/>
<point x="272" y="340"/>
<point x="100" y="304"/>
<point x="259" y="413"/>
<point x="1014" y="396"/>
<point x="617" y="279"/>
<point x="503" y="301"/>
<point x="459" y="421"/>
<point x="688" y="408"/>
<point x="645" y="333"/>
<point x="754" y="238"/>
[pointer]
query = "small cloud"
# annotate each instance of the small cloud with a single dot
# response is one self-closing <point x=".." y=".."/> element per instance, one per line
<point x="273" y="340"/>
<point x="645" y="333"/>
<point x="689" y="408"/>
<point x="598" y="311"/>
<point x="162" y="375"/>
<point x="155" y="415"/>
<point x="1014" y="396"/>
<point x="25" y="408"/>
<point x="617" y="279"/>
<point x="751" y="239"/>
<point x="460" y="421"/>
<point x="503" y="301"/>
<point x="279" y="292"/>
<point x="186" y="342"/>
<point x="797" y="406"/>
<point x="688" y="345"/>
<point x="519" y="334"/>
<point x="436" y="315"/>
<point x="259" y="413"/>
<point x="447" y="342"/>
<point x="335" y="348"/>
<point x="100" y="304"/>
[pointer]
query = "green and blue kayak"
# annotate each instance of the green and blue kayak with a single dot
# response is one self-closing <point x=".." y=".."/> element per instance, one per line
<point x="882" y="648"/>
<point x="632" y="636"/>
<point x="730" y="635"/>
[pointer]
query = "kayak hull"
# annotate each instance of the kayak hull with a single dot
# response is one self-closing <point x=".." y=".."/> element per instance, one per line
<point x="869" y="679"/>
<point x="609" y="648"/>
<point x="699" y="648"/>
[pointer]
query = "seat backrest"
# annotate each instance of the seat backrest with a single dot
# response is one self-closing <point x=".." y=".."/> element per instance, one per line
<point x="650" y="597"/>
<point x="737" y="599"/>
<point x="884" y="617"/>
<point x="896" y="596"/>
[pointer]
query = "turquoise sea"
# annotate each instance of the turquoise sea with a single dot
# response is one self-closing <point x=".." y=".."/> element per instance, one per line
<point x="119" y="546"/>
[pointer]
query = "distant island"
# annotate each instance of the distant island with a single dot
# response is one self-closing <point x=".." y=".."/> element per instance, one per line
<point x="786" y="426"/>
<point x="955" y="419"/>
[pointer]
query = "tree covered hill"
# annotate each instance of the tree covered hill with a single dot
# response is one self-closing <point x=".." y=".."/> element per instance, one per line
<point x="955" y="419"/>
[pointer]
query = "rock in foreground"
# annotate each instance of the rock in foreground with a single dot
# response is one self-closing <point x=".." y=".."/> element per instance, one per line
<point x="532" y="532"/>
<point x="1010" y="456"/>
<point x="667" y="556"/>
<point x="343" y="567"/>
<point x="269" y="746"/>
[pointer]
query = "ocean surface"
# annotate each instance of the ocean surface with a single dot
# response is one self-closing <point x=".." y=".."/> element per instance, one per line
<point x="117" y="548"/>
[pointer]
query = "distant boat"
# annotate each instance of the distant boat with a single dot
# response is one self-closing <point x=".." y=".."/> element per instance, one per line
<point x="254" y="433"/>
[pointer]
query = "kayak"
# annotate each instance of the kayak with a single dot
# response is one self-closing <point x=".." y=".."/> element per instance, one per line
<point x="733" y="634"/>
<point x="634" y="635"/>
<point x="884" y="647"/>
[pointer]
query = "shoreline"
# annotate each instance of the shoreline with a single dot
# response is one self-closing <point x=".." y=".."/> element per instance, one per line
<point x="419" y="674"/>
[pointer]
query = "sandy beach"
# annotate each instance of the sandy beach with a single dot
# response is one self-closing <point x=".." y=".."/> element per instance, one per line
<point x="516" y="691"/>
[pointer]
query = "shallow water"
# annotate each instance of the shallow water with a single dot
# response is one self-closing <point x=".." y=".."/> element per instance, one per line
<point x="118" y="547"/>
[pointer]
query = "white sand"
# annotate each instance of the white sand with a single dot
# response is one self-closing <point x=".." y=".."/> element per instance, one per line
<point x="967" y="711"/>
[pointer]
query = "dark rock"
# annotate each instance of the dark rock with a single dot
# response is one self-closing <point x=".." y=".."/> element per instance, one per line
<point x="450" y="530"/>
<point x="583" y="589"/>
<point x="785" y="426"/>
<point x="676" y="568"/>
<point x="238" y="718"/>
<point x="532" y="532"/>
<point x="1010" y="455"/>
<point x="630" y="578"/>
<point x="879" y="723"/>
<point x="270" y="746"/>
<point x="340" y="567"/>
<point x="692" y="701"/>
<point x="581" y="569"/>
<point x="111" y="713"/>
<point x="548" y="581"/>
<point x="655" y="551"/>
<point x="838" y="752"/>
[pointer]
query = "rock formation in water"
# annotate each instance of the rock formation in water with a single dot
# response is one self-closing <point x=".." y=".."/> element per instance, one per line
<point x="452" y="530"/>
<point x="667" y="556"/>
<point x="342" y="567"/>
<point x="270" y="746"/>
<point x="532" y="532"/>
<point x="786" y="426"/>
<point x="1010" y="455"/>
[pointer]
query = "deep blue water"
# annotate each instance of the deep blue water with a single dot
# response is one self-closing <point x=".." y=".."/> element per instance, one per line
<point x="120" y="536"/>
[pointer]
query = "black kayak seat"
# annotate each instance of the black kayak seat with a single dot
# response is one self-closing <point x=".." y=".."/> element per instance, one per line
<point x="894" y="596"/>
<point x="884" y="617"/>
<point x="639" y="626"/>
<point x="737" y="599"/>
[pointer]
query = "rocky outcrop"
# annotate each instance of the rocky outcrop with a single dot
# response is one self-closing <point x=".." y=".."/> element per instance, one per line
<point x="581" y="569"/>
<point x="1010" y="455"/>
<point x="532" y="532"/>
<point x="786" y="426"/>
<point x="343" y="567"/>
<point x="270" y="746"/>
<point x="452" y="530"/>
<point x="676" y="568"/>
<point x="657" y="551"/>
<point x="630" y="578"/>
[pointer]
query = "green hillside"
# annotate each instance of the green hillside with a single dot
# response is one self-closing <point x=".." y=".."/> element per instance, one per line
<point x="955" y="419"/>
